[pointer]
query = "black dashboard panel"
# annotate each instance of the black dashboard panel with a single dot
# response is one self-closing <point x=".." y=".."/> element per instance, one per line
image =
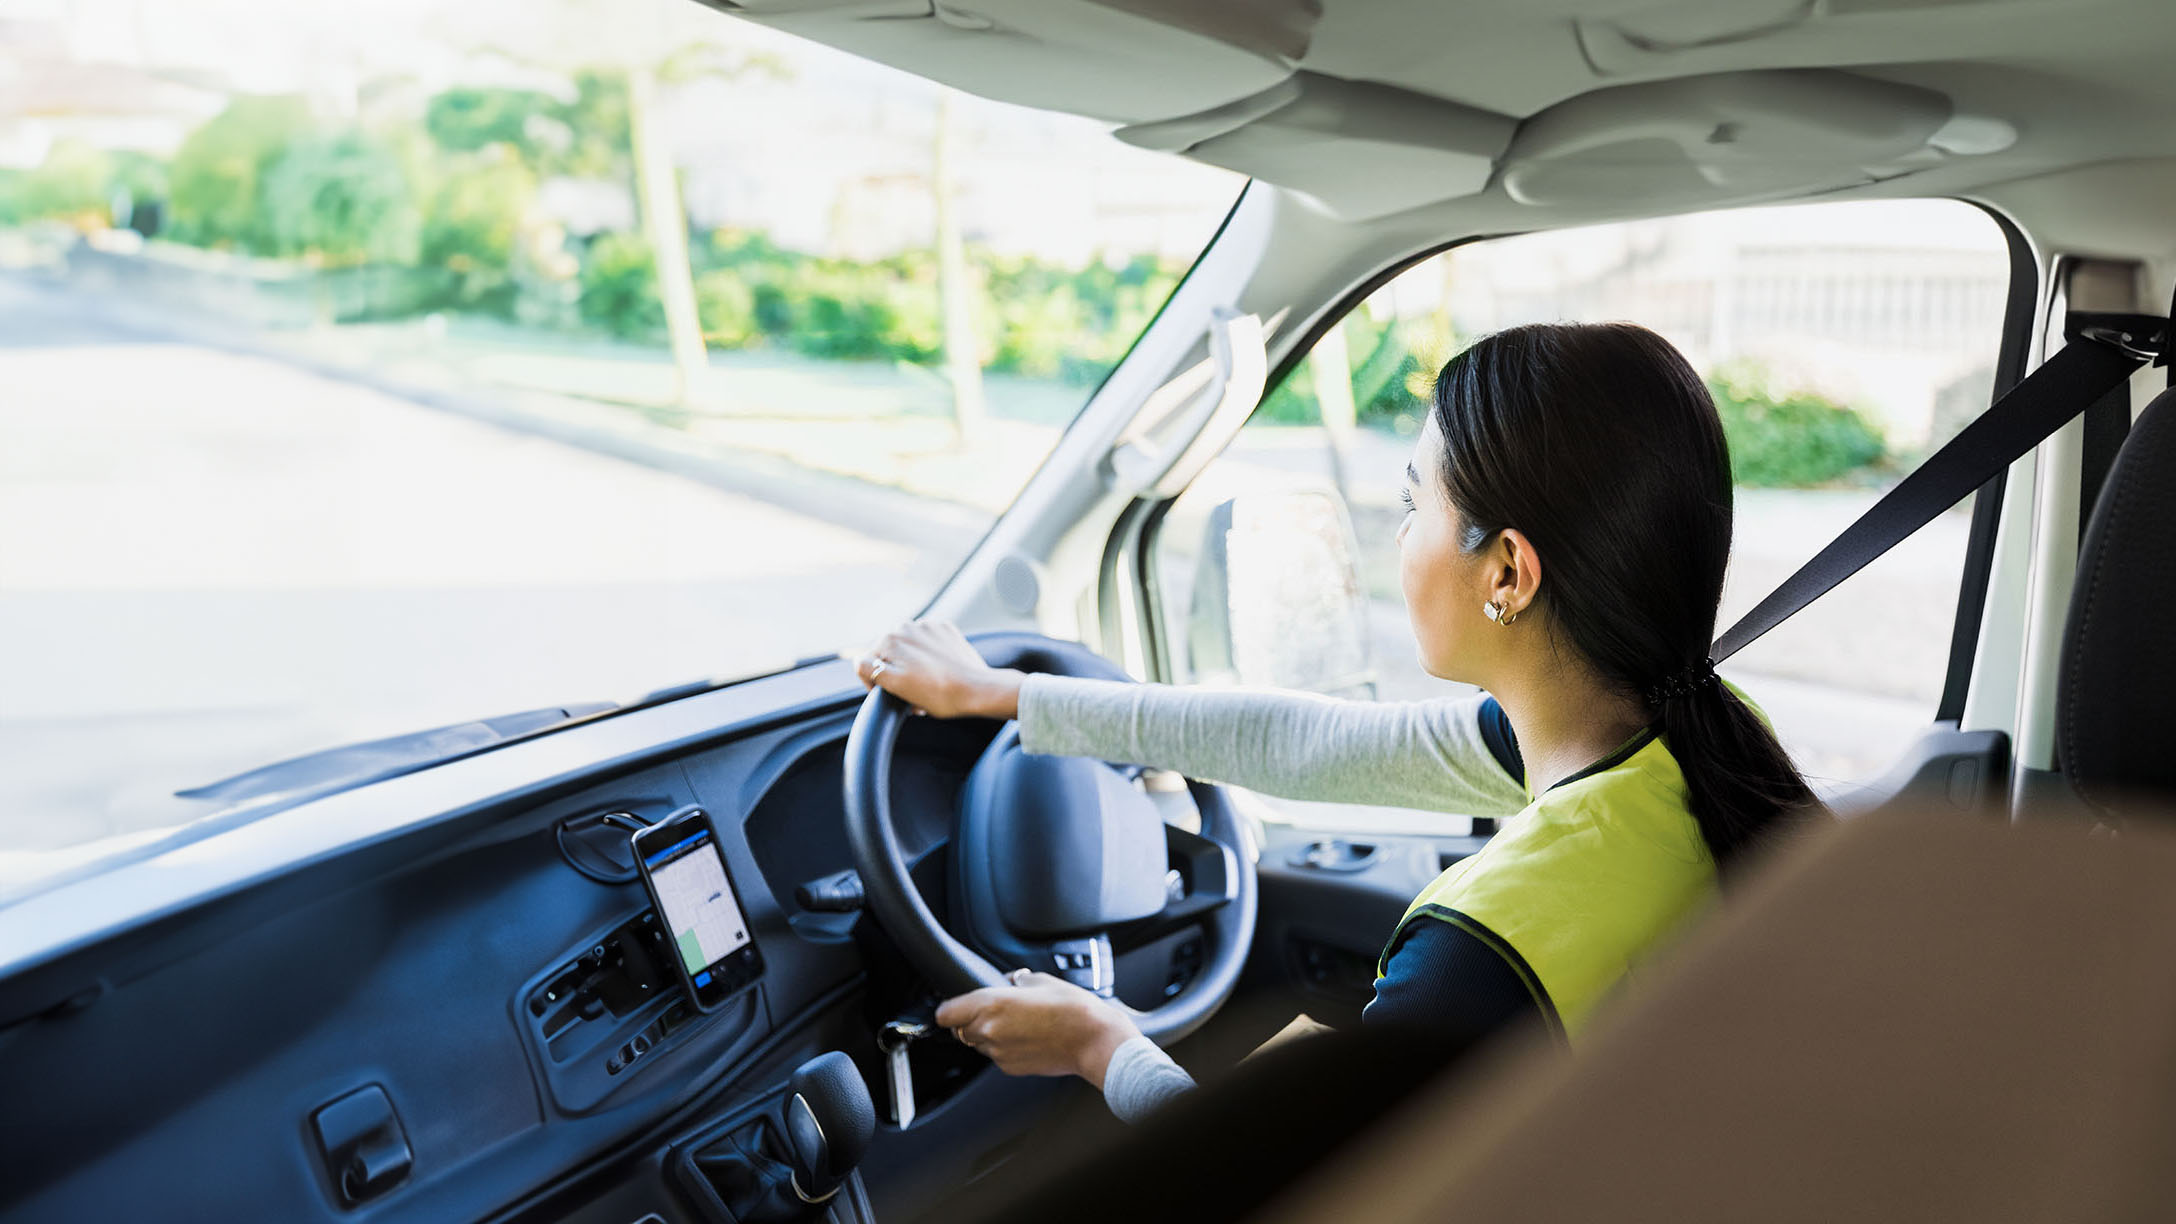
<point x="187" y="1086"/>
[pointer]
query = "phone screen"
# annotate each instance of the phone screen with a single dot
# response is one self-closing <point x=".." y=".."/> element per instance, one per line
<point x="701" y="917"/>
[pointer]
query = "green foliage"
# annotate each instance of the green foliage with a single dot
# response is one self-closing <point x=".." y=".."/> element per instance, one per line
<point x="342" y="197"/>
<point x="447" y="200"/>
<point x="751" y="291"/>
<point x="1785" y="438"/>
<point x="472" y="228"/>
<point x="1393" y="367"/>
<point x="141" y="175"/>
<point x="726" y="307"/>
<point x="843" y="310"/>
<point x="586" y="137"/>
<point x="1051" y="322"/>
<point x="74" y="180"/>
<point x="619" y="287"/>
<point x="600" y="144"/>
<point x="467" y="120"/>
<point x="219" y="173"/>
<point x="1037" y="319"/>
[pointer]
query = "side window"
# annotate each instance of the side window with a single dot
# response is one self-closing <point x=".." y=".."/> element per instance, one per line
<point x="1843" y="342"/>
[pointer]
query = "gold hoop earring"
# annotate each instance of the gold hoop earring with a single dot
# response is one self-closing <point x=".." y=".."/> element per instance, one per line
<point x="1495" y="610"/>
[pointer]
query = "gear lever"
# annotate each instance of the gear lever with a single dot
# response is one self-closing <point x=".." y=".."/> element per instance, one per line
<point x="829" y="1122"/>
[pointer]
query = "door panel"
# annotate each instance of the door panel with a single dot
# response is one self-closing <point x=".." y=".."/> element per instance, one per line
<point x="1330" y="901"/>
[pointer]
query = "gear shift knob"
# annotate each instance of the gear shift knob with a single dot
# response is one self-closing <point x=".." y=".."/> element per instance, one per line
<point x="829" y="1122"/>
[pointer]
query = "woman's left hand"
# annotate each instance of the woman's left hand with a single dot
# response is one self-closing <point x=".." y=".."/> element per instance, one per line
<point x="1039" y="1025"/>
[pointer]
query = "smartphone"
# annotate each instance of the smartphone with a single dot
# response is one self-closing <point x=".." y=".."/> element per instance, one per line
<point x="706" y="931"/>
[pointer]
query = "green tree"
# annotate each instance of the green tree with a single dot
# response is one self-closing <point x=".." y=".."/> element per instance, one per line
<point x="219" y="173"/>
<point x="621" y="59"/>
<point x="726" y="303"/>
<point x="472" y="226"/>
<point x="619" y="287"/>
<point x="468" y="120"/>
<point x="74" y="179"/>
<point x="599" y="123"/>
<point x="344" y="197"/>
<point x="140" y="175"/>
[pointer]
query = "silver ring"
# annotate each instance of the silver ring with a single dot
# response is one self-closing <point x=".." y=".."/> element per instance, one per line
<point x="878" y="668"/>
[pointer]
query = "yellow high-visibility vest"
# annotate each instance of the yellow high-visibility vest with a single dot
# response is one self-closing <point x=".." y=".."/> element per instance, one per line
<point x="1583" y="883"/>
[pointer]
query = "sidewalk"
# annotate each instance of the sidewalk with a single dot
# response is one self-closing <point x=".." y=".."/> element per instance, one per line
<point x="886" y="424"/>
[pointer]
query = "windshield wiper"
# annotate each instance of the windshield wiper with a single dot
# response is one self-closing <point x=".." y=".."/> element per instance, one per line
<point x="375" y="758"/>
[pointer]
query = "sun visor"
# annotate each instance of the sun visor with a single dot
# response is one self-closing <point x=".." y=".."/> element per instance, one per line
<point x="1360" y="150"/>
<point x="1059" y="55"/>
<point x="1737" y="137"/>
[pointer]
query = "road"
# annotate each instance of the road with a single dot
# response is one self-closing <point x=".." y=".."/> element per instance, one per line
<point x="209" y="561"/>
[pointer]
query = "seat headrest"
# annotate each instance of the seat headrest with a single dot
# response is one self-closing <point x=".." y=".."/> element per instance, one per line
<point x="2113" y="726"/>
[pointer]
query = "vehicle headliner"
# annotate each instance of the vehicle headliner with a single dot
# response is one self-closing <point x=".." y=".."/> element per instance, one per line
<point x="1260" y="86"/>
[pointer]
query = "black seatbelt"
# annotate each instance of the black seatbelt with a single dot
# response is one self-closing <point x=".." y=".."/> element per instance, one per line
<point x="2102" y="353"/>
<point x="2107" y="424"/>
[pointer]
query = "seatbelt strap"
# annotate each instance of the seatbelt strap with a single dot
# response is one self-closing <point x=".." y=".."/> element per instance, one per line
<point x="2104" y="350"/>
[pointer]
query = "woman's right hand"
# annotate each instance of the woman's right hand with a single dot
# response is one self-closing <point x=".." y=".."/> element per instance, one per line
<point x="931" y="666"/>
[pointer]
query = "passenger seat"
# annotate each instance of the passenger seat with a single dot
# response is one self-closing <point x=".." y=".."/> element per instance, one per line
<point x="2115" y="740"/>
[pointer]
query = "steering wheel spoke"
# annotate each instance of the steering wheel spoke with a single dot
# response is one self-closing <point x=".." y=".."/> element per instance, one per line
<point x="1206" y="875"/>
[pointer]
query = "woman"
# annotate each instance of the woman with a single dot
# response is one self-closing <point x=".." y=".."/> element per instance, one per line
<point x="1568" y="524"/>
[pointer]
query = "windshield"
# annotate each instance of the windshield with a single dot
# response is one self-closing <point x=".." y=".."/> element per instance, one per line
<point x="369" y="378"/>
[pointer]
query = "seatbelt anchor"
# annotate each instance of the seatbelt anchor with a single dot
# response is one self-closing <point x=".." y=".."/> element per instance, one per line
<point x="2143" y="336"/>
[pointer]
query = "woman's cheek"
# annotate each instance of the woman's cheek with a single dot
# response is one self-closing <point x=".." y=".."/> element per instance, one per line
<point x="1421" y="573"/>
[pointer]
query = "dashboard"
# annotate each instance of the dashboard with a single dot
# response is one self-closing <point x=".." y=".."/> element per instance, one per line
<point x="485" y="984"/>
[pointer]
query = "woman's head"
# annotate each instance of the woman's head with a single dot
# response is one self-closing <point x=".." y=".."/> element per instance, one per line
<point x="1573" y="481"/>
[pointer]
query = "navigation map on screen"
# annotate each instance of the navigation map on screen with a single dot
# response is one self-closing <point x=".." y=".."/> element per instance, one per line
<point x="696" y="901"/>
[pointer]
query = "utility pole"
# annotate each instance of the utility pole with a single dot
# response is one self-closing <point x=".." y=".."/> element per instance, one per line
<point x="955" y="285"/>
<point x="657" y="186"/>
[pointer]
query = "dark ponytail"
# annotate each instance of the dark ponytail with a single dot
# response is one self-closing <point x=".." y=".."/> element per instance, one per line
<point x="1601" y="445"/>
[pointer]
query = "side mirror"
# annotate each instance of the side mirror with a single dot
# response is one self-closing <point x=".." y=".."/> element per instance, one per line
<point x="1277" y="598"/>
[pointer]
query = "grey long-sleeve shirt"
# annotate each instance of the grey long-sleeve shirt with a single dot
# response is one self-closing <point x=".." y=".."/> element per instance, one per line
<point x="1431" y="755"/>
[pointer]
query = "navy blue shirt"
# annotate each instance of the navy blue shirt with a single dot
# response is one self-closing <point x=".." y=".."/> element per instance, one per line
<point x="1442" y="979"/>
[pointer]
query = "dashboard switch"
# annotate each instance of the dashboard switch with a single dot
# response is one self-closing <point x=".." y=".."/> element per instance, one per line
<point x="361" y="1142"/>
<point x="838" y="893"/>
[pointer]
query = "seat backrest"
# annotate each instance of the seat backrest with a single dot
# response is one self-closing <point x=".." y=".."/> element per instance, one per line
<point x="2115" y="734"/>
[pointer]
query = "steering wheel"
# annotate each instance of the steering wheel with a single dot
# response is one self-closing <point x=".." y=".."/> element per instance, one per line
<point x="1057" y="862"/>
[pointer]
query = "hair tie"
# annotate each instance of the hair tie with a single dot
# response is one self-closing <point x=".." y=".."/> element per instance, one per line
<point x="1684" y="684"/>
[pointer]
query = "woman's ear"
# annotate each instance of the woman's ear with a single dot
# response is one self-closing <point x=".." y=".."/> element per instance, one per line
<point x="1515" y="571"/>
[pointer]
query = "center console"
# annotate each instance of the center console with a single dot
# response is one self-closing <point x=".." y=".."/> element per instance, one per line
<point x="614" y="1007"/>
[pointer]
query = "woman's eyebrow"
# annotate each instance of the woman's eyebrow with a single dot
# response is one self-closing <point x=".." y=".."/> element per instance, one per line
<point x="1412" y="475"/>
